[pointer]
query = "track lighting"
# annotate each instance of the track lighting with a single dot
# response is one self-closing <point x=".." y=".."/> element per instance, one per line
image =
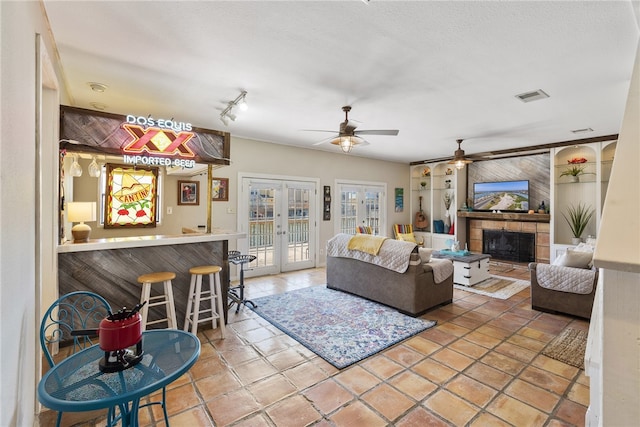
<point x="239" y="102"/>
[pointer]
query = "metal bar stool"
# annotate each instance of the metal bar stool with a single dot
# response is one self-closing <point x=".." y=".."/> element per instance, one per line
<point x="166" y="299"/>
<point x="196" y="295"/>
<point x="236" y="294"/>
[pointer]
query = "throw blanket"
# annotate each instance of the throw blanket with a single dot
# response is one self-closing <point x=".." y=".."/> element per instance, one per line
<point x="394" y="255"/>
<point x="442" y="269"/>
<point x="366" y="243"/>
<point x="565" y="279"/>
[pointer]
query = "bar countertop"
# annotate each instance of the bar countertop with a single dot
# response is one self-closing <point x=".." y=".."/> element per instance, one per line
<point x="147" y="241"/>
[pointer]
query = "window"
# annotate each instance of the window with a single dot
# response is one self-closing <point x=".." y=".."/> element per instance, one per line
<point x="361" y="204"/>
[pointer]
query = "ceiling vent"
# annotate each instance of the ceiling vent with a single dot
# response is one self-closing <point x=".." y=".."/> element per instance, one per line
<point x="532" y="96"/>
<point x="585" y="130"/>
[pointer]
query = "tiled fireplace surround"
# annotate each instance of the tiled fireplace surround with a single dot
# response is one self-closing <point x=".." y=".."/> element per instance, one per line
<point x="541" y="230"/>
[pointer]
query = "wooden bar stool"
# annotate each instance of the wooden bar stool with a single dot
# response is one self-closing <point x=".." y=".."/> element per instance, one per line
<point x="165" y="299"/>
<point x="196" y="295"/>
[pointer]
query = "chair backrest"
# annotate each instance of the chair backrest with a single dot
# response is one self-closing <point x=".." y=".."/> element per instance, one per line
<point x="73" y="311"/>
<point x="364" y="229"/>
<point x="403" y="231"/>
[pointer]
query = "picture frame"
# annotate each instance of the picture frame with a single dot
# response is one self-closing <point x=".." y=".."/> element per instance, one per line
<point x="220" y="189"/>
<point x="189" y="193"/>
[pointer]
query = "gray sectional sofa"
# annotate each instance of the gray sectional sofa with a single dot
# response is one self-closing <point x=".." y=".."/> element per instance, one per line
<point x="413" y="291"/>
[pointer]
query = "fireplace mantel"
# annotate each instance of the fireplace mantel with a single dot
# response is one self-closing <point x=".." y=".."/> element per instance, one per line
<point x="507" y="216"/>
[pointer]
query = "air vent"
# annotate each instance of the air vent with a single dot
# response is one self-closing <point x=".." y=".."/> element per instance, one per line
<point x="585" y="130"/>
<point x="532" y="96"/>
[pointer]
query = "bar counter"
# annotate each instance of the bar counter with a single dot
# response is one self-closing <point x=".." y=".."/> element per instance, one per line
<point x="110" y="267"/>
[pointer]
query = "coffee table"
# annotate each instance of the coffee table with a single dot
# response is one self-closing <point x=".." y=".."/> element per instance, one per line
<point x="468" y="268"/>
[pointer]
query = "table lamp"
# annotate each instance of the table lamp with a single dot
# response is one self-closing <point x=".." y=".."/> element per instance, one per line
<point x="80" y="212"/>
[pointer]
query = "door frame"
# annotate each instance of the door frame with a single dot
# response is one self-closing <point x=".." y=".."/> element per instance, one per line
<point x="243" y="209"/>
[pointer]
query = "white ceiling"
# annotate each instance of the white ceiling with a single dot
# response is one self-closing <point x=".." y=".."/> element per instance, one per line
<point x="437" y="71"/>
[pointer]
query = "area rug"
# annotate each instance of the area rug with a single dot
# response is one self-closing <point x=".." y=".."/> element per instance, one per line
<point x="568" y="347"/>
<point x="339" y="327"/>
<point x="496" y="287"/>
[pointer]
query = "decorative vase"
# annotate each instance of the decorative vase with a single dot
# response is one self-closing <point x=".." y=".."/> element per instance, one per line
<point x="447" y="222"/>
<point x="574" y="178"/>
<point x="576" y="240"/>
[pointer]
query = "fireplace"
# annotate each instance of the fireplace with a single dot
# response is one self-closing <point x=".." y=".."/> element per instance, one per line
<point x="509" y="245"/>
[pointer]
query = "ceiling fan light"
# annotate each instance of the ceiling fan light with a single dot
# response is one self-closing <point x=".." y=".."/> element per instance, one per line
<point x="346" y="144"/>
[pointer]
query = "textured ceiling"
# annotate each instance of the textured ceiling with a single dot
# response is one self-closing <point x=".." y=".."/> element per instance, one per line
<point x="437" y="71"/>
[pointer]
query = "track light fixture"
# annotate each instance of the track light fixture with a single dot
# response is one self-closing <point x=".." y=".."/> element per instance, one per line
<point x="458" y="157"/>
<point x="240" y="102"/>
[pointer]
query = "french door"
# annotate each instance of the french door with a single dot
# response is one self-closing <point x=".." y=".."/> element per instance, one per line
<point x="280" y="221"/>
<point x="361" y="204"/>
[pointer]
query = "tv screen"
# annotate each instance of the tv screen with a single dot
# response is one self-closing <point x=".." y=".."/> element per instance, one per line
<point x="504" y="196"/>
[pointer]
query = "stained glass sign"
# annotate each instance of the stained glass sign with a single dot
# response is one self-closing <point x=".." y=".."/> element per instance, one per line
<point x="131" y="196"/>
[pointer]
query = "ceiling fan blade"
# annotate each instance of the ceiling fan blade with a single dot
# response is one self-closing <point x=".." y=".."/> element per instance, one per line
<point x="325" y="140"/>
<point x="390" y="132"/>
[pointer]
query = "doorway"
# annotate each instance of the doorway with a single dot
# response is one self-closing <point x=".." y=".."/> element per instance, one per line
<point x="280" y="219"/>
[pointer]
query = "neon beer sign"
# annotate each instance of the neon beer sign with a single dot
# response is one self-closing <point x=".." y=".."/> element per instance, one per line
<point x="153" y="138"/>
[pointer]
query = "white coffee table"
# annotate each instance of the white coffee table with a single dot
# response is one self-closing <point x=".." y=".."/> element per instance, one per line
<point x="468" y="270"/>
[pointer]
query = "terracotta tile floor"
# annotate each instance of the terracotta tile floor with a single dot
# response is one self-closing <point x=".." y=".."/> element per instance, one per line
<point x="480" y="366"/>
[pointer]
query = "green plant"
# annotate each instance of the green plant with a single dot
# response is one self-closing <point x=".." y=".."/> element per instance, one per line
<point x="575" y="170"/>
<point x="579" y="217"/>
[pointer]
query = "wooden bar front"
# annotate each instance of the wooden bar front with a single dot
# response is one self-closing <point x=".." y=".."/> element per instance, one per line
<point x="113" y="272"/>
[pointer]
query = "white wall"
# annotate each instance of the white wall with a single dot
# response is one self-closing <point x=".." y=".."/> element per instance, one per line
<point x="257" y="157"/>
<point x="19" y="301"/>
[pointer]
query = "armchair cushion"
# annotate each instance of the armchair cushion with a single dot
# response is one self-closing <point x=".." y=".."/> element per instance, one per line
<point x="573" y="258"/>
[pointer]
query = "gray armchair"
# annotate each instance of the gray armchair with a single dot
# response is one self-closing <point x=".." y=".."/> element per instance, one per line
<point x="561" y="289"/>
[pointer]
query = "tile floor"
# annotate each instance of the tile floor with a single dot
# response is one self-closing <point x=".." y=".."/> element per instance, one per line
<point x="480" y="366"/>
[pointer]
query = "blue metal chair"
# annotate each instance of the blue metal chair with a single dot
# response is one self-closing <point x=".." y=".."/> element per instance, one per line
<point x="74" y="311"/>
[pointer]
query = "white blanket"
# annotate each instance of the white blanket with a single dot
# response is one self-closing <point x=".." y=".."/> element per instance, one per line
<point x="442" y="269"/>
<point x="565" y="279"/>
<point x="394" y="255"/>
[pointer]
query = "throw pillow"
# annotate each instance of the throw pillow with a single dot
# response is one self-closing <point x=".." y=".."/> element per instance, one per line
<point x="407" y="237"/>
<point x="574" y="259"/>
<point x="425" y="254"/>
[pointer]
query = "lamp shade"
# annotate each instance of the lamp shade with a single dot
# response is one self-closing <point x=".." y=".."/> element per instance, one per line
<point x="80" y="212"/>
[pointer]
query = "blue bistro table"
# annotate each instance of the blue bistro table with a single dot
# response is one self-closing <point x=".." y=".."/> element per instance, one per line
<point x="77" y="385"/>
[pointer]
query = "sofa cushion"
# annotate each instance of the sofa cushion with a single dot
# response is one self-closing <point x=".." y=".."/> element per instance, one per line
<point x="407" y="237"/>
<point x="576" y="259"/>
<point x="425" y="254"/>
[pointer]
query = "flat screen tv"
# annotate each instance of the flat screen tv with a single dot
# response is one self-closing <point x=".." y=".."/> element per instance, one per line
<point x="505" y="196"/>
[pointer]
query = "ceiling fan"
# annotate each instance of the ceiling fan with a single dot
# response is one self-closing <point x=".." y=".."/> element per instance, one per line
<point x="348" y="136"/>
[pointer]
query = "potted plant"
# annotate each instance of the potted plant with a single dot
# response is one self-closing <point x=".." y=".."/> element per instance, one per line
<point x="423" y="184"/>
<point x="574" y="170"/>
<point x="579" y="217"/>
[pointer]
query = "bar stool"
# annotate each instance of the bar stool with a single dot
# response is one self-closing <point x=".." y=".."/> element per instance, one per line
<point x="196" y="295"/>
<point x="165" y="299"/>
<point x="236" y="294"/>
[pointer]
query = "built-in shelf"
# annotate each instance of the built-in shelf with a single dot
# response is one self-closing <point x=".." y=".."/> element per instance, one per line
<point x="506" y="216"/>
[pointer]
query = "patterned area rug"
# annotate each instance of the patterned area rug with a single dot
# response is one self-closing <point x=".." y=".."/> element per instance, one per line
<point x="568" y="347"/>
<point x="341" y="328"/>
<point x="496" y="287"/>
